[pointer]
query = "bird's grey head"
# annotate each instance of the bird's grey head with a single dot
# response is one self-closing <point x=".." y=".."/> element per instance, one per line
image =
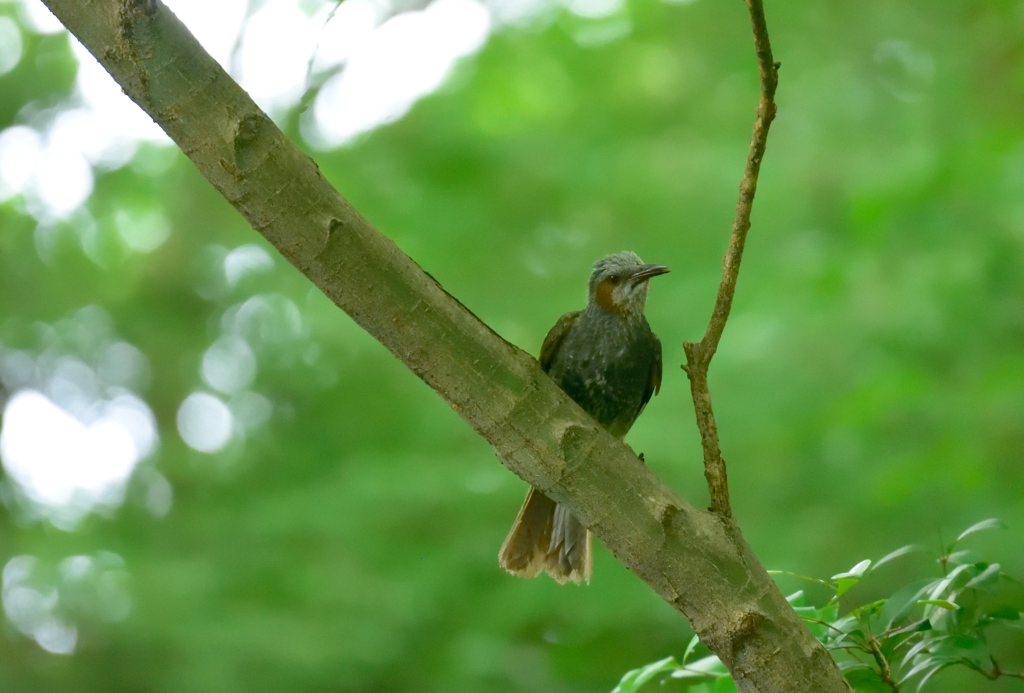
<point x="618" y="283"/>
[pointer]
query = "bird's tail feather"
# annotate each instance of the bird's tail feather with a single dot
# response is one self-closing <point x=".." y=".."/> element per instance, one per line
<point x="546" y="536"/>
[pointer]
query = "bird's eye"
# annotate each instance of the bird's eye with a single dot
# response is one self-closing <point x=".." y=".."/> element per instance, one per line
<point x="614" y="279"/>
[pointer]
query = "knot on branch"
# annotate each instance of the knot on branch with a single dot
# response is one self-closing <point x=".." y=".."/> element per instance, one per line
<point x="572" y="443"/>
<point x="249" y="142"/>
<point x="666" y="512"/>
<point x="145" y="8"/>
<point x="697" y="360"/>
<point x="744" y="627"/>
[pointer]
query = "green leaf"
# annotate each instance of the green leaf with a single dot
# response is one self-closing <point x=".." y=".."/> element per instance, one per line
<point x="865" y="679"/>
<point x="844" y="582"/>
<point x="962" y="557"/>
<point x="628" y="682"/>
<point x="852" y="664"/>
<point x="902" y="551"/>
<point x="944" y="584"/>
<point x="802" y="577"/>
<point x="844" y="624"/>
<point x="812" y="619"/>
<point x="846" y="630"/>
<point x="707" y="666"/>
<point x="925" y="642"/>
<point x="986" y="579"/>
<point x="844" y="585"/>
<point x="925" y="663"/>
<point x="690" y="648"/>
<point x="962" y="647"/>
<point x="720" y="685"/>
<point x="855" y="635"/>
<point x="856" y="571"/>
<point x="869" y="685"/>
<point x="868" y="610"/>
<point x="899" y="605"/>
<point x="638" y="677"/>
<point x="945" y="604"/>
<point x="992" y="523"/>
<point x="942" y="620"/>
<point x="1007" y="613"/>
<point x="796" y="599"/>
<point x="931" y="673"/>
<point x="916" y="627"/>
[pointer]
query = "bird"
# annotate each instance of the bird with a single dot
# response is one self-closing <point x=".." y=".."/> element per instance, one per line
<point x="607" y="359"/>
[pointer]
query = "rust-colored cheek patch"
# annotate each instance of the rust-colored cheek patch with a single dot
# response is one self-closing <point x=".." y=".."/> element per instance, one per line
<point x="603" y="297"/>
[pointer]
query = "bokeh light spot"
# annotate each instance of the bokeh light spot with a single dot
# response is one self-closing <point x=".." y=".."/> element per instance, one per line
<point x="593" y="9"/>
<point x="144" y="230"/>
<point x="214" y="24"/>
<point x="204" y="422"/>
<point x="20" y="147"/>
<point x="351" y="26"/>
<point x="406" y="58"/>
<point x="251" y="409"/>
<point x="69" y="468"/>
<point x="159" y="495"/>
<point x="63" y="181"/>
<point x="30" y="606"/>
<point x="10" y="45"/>
<point x="123" y="365"/>
<point x="38" y="17"/>
<point x="275" y="53"/>
<point x="56" y="636"/>
<point x="229" y="365"/>
<point x="244" y="260"/>
<point x="904" y="71"/>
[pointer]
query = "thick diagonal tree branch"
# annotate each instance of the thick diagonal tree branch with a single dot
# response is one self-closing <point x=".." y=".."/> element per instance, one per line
<point x="698" y="355"/>
<point x="696" y="560"/>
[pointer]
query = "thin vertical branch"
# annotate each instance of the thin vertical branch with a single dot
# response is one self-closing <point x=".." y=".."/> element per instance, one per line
<point x="698" y="355"/>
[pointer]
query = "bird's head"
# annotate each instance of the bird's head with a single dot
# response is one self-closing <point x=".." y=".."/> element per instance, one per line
<point x="619" y="283"/>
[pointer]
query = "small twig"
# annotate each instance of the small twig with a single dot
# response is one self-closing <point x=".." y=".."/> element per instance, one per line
<point x="235" y="59"/>
<point x="883" y="664"/>
<point x="995" y="672"/>
<point x="829" y="625"/>
<point x="852" y="646"/>
<point x="316" y="47"/>
<point x="698" y="356"/>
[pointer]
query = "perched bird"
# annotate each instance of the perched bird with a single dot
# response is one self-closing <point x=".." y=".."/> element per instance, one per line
<point x="607" y="359"/>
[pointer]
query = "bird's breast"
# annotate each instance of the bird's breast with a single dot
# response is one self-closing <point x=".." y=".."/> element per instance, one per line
<point x="606" y="368"/>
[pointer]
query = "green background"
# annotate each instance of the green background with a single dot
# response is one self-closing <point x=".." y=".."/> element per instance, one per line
<point x="869" y="388"/>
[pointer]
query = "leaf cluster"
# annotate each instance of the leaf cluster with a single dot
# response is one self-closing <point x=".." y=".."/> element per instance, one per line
<point x="889" y="644"/>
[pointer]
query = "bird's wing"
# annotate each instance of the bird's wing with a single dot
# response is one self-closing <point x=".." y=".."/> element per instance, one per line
<point x="555" y="338"/>
<point x="654" y="382"/>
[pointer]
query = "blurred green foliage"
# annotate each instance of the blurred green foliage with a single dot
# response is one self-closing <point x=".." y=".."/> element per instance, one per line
<point x="869" y="387"/>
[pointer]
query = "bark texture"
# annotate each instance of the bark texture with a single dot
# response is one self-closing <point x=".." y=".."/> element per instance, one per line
<point x="696" y="560"/>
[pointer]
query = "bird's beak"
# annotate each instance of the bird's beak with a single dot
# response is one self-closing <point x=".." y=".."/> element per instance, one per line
<point x="646" y="272"/>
